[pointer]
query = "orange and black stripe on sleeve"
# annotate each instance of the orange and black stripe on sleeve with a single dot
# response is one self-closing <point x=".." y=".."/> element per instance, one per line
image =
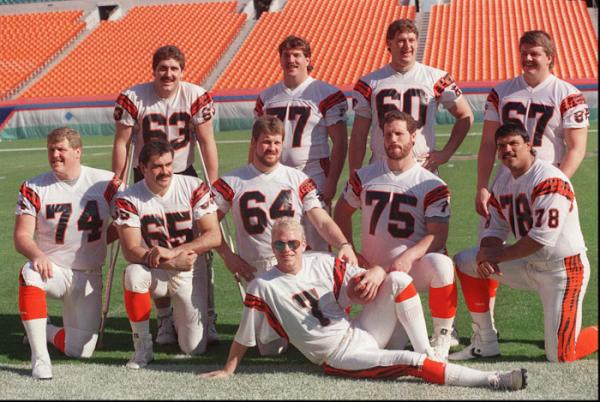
<point x="259" y="304"/>
<point x="331" y="101"/>
<point x="306" y="187"/>
<point x="339" y="270"/>
<point x="122" y="203"/>
<point x="259" y="107"/>
<point x="494" y="99"/>
<point x="201" y="102"/>
<point x="553" y="185"/>
<point x="224" y="189"/>
<point x="112" y="188"/>
<point x="365" y="90"/>
<point x="570" y="102"/>
<point x="355" y="183"/>
<point x="439" y="193"/>
<point x="128" y="105"/>
<point x="198" y="193"/>
<point x="442" y="84"/>
<point x="31" y="196"/>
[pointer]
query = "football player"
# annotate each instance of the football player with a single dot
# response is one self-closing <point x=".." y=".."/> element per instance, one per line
<point x="180" y="113"/>
<point x="61" y="228"/>
<point x="304" y="297"/>
<point x="263" y="191"/>
<point x="535" y="201"/>
<point x="413" y="88"/>
<point x="312" y="112"/>
<point x="405" y="215"/>
<point x="165" y="221"/>
<point x="553" y="112"/>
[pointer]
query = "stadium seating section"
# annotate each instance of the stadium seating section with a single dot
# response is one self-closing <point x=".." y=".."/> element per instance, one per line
<point x="29" y="41"/>
<point x="118" y="54"/>
<point x="477" y="40"/>
<point x="347" y="39"/>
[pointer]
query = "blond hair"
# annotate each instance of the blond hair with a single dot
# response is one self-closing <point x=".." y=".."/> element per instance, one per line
<point x="287" y="223"/>
<point x="65" y="133"/>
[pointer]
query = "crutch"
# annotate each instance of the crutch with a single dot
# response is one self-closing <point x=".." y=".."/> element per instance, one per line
<point x="224" y="230"/>
<point x="114" y="254"/>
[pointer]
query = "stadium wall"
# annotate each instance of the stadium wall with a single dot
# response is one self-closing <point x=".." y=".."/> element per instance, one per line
<point x="35" y="118"/>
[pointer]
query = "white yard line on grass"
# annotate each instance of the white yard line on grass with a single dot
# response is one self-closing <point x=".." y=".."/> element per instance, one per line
<point x="218" y="142"/>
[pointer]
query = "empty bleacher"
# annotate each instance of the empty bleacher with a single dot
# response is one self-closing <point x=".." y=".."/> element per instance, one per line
<point x="118" y="54"/>
<point x="29" y="41"/>
<point x="477" y="40"/>
<point x="347" y="38"/>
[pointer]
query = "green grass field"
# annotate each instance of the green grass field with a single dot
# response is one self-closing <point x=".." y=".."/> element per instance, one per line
<point x="518" y="314"/>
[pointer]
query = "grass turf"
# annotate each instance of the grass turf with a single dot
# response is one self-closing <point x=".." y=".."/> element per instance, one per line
<point x="518" y="313"/>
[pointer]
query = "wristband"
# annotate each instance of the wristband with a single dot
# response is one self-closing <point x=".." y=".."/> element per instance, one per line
<point x="346" y="243"/>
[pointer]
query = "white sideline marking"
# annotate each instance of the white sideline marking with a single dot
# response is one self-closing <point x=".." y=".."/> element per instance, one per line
<point x="218" y="142"/>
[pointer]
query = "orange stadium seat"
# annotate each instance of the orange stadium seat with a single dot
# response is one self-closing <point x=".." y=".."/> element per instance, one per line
<point x="486" y="48"/>
<point x="30" y="41"/>
<point x="115" y="56"/>
<point x="347" y="38"/>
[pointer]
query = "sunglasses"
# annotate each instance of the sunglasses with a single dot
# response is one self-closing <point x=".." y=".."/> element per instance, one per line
<point x="279" y="245"/>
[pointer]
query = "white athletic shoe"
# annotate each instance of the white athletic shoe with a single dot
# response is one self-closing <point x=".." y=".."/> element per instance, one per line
<point x="42" y="368"/>
<point x="166" y="334"/>
<point x="512" y="380"/>
<point x="454" y="339"/>
<point x="440" y="342"/>
<point x="143" y="352"/>
<point x="483" y="344"/>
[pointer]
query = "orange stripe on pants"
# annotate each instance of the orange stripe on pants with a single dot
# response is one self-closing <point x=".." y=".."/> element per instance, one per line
<point x="568" y="316"/>
<point x="442" y="301"/>
<point x="476" y="292"/>
<point x="32" y="302"/>
<point x="138" y="305"/>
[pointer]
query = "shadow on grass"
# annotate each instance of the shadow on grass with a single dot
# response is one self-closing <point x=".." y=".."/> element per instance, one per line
<point x="118" y="347"/>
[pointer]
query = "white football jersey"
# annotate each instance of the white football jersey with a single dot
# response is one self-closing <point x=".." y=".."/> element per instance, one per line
<point x="545" y="111"/>
<point x="166" y="221"/>
<point x="417" y="92"/>
<point x="306" y="308"/>
<point x="540" y="204"/>
<point x="171" y="120"/>
<point x="395" y="208"/>
<point x="306" y="111"/>
<point x="71" y="220"/>
<point x="257" y="199"/>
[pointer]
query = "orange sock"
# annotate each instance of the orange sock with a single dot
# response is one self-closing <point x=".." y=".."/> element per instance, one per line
<point x="587" y="342"/>
<point x="59" y="340"/>
<point x="476" y="292"/>
<point x="442" y="301"/>
<point x="32" y="302"/>
<point x="138" y="305"/>
<point x="406" y="294"/>
<point x="433" y="372"/>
